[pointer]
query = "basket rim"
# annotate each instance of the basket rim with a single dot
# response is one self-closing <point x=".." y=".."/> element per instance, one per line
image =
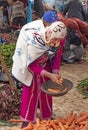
<point x="58" y="93"/>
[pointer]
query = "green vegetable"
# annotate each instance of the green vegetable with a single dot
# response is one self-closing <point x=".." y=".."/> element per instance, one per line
<point x="7" y="51"/>
<point x="82" y="87"/>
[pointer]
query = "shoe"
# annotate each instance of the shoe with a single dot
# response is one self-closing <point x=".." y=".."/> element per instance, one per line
<point x="24" y="124"/>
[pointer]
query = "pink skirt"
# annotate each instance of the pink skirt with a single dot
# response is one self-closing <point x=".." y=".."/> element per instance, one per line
<point x="33" y="98"/>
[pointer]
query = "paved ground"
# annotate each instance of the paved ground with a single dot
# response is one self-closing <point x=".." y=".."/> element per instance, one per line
<point x="72" y="101"/>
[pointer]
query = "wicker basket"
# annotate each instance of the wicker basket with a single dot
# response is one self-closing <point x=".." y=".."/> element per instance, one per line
<point x="64" y="88"/>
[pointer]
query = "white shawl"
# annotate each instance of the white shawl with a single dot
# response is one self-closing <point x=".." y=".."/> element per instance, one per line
<point x="29" y="46"/>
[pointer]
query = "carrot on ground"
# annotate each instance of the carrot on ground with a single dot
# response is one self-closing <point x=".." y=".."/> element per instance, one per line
<point x="84" y="128"/>
<point x="73" y="118"/>
<point x="30" y="125"/>
<point x="83" y="122"/>
<point x="16" y="120"/>
<point x="53" y="125"/>
<point x="27" y="128"/>
<point x="38" y="121"/>
<point x="15" y="128"/>
<point x="83" y="118"/>
<point x="83" y="113"/>
<point x="62" y="120"/>
<point x="72" y="126"/>
<point x="68" y="118"/>
<point x="61" y="126"/>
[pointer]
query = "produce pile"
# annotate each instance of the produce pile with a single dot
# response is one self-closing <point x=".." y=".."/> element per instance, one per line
<point x="7" y="51"/>
<point x="9" y="102"/>
<point x="82" y="87"/>
<point x="72" y="121"/>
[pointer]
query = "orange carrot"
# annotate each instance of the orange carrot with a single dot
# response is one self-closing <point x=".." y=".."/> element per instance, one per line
<point x="73" y="118"/>
<point x="54" y="90"/>
<point x="62" y="120"/>
<point x="66" y="127"/>
<point x="77" y="128"/>
<point x="72" y="126"/>
<point x="60" y="81"/>
<point x="84" y="117"/>
<point x="16" y="120"/>
<point x="81" y="126"/>
<point x="83" y="113"/>
<point x="65" y="89"/>
<point x="84" y="128"/>
<point x="27" y="128"/>
<point x="70" y="129"/>
<point x="68" y="118"/>
<point x="83" y="122"/>
<point x="61" y="126"/>
<point x="54" y="125"/>
<point x="30" y="126"/>
<point x="15" y="128"/>
<point x="38" y="121"/>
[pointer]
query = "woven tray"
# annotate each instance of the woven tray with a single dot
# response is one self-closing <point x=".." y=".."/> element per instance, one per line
<point x="64" y="88"/>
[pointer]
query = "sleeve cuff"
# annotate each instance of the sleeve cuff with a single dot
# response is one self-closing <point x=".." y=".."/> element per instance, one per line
<point x="56" y="71"/>
<point x="43" y="73"/>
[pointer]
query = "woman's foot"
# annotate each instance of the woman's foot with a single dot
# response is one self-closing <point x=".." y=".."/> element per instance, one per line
<point x="24" y="124"/>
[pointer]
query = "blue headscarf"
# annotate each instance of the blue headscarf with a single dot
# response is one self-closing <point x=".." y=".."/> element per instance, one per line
<point x="50" y="16"/>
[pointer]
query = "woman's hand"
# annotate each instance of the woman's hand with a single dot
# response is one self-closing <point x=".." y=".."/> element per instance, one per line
<point x="54" y="42"/>
<point x="54" y="77"/>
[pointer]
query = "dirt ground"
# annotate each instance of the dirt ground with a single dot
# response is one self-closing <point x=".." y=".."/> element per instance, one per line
<point x="72" y="101"/>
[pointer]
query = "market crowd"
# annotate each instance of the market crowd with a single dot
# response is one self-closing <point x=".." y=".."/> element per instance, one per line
<point x="48" y="34"/>
<point x="16" y="13"/>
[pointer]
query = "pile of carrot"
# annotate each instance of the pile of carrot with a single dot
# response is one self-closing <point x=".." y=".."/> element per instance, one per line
<point x="72" y="121"/>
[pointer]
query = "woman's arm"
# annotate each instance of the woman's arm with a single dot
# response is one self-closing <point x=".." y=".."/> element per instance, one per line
<point x="57" y="58"/>
<point x="36" y="68"/>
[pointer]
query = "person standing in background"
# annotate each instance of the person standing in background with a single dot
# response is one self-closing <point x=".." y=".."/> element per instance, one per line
<point x="4" y="8"/>
<point x="38" y="7"/>
<point x="49" y="4"/>
<point x="74" y="8"/>
<point x="18" y="17"/>
<point x="30" y="4"/>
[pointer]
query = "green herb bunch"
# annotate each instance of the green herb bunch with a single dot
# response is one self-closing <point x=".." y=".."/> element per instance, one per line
<point x="82" y="87"/>
<point x="7" y="51"/>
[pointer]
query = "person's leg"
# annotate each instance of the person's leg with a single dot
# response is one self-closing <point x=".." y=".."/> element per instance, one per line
<point x="45" y="106"/>
<point x="30" y="96"/>
<point x="29" y="104"/>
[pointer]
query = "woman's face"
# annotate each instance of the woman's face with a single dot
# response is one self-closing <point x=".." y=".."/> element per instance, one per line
<point x="55" y="42"/>
<point x="55" y="33"/>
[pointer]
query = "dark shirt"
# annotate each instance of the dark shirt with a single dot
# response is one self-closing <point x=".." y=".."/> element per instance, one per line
<point x="4" y="4"/>
<point x="74" y="9"/>
<point x="38" y="7"/>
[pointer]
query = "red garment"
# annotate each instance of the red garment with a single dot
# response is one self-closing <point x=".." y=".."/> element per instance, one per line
<point x="83" y="26"/>
<point x="32" y="96"/>
<point x="79" y="26"/>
